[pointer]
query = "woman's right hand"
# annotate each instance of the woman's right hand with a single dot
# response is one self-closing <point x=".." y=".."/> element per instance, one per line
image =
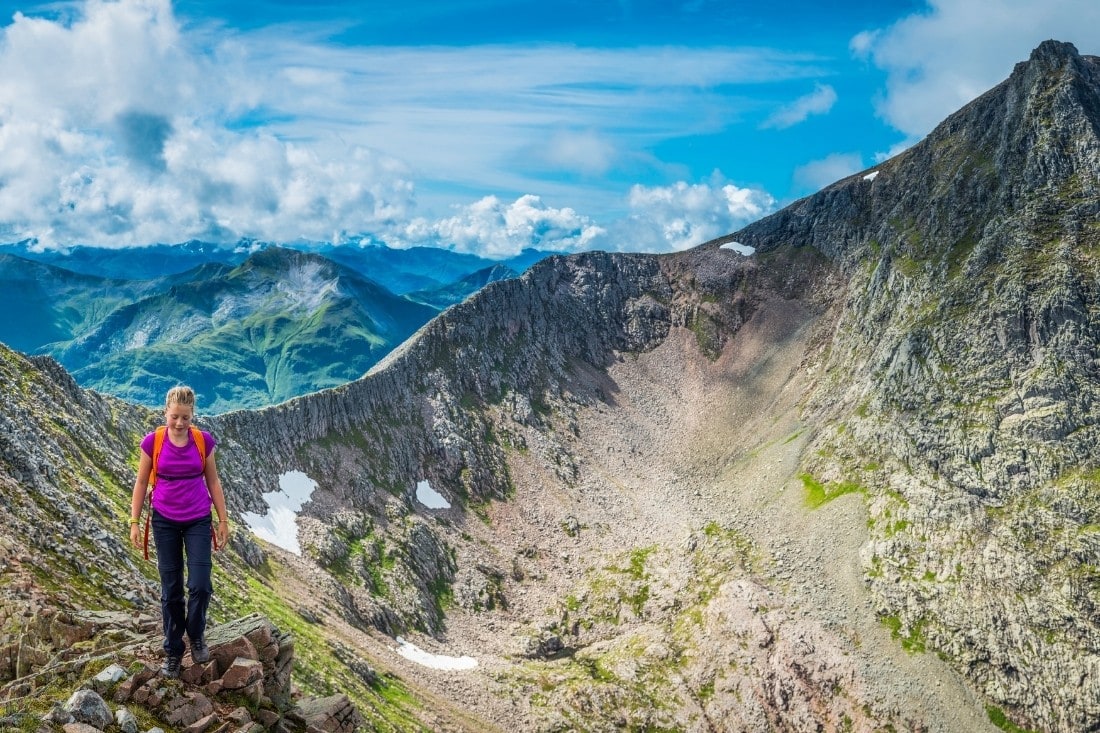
<point x="135" y="535"/>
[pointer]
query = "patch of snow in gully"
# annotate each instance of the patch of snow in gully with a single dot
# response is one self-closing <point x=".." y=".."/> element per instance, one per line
<point x="739" y="248"/>
<point x="279" y="525"/>
<point x="436" y="661"/>
<point x="429" y="497"/>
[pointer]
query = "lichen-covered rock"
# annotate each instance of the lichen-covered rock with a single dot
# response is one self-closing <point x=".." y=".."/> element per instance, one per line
<point x="86" y="706"/>
<point x="250" y="657"/>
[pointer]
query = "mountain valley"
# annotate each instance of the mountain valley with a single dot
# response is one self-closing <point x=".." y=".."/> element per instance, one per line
<point x="847" y="482"/>
<point x="251" y="329"/>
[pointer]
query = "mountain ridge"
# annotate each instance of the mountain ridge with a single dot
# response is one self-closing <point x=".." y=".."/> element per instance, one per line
<point x="847" y="482"/>
<point x="975" y="376"/>
<point x="258" y="333"/>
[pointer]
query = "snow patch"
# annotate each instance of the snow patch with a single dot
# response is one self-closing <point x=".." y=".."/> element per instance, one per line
<point x="429" y="497"/>
<point x="436" y="661"/>
<point x="871" y="176"/>
<point x="739" y="248"/>
<point x="279" y="525"/>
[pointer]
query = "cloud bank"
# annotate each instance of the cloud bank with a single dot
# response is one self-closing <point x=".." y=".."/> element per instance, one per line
<point x="121" y="124"/>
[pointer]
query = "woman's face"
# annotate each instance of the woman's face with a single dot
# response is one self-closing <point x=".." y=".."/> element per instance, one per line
<point x="178" y="417"/>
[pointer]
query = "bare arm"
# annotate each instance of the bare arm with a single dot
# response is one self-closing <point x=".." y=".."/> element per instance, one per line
<point x="137" y="501"/>
<point x="214" y="486"/>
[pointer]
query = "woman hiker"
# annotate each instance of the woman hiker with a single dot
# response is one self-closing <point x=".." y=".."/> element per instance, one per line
<point x="177" y="466"/>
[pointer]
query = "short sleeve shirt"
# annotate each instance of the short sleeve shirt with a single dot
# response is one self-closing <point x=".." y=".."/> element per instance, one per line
<point x="181" y="493"/>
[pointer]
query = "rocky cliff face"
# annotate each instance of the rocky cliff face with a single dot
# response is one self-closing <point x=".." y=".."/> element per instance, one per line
<point x="848" y="482"/>
<point x="961" y="383"/>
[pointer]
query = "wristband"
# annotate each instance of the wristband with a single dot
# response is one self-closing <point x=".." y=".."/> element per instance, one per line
<point x="134" y="521"/>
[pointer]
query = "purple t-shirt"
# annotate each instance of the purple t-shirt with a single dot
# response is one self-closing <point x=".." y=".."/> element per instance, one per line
<point x="180" y="494"/>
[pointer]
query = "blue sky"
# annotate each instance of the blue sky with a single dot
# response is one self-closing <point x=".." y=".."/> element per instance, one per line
<point x="484" y="126"/>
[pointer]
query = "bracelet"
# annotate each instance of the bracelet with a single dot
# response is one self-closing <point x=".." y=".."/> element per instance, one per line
<point x="134" y="521"/>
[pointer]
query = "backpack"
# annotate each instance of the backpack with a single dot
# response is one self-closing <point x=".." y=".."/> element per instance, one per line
<point x="158" y="445"/>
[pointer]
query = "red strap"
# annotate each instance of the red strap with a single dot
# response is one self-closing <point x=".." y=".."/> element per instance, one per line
<point x="146" y="546"/>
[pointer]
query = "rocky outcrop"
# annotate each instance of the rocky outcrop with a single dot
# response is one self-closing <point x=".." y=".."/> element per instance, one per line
<point x="251" y="663"/>
<point x="962" y="383"/>
<point x="65" y="478"/>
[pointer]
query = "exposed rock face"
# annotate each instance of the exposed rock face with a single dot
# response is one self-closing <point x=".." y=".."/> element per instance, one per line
<point x="621" y="439"/>
<point x="66" y="458"/>
<point x="964" y="371"/>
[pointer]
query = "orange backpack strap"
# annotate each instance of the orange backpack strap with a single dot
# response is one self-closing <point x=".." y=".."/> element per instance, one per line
<point x="158" y="445"/>
<point x="200" y="443"/>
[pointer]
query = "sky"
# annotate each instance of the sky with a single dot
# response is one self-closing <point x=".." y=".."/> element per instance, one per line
<point x="482" y="126"/>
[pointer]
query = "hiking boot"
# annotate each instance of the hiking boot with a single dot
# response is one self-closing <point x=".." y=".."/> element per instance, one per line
<point x="200" y="653"/>
<point x="171" y="667"/>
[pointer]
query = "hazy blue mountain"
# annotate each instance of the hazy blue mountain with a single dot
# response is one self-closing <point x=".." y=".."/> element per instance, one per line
<point x="398" y="270"/>
<point x="46" y="303"/>
<point x="406" y="270"/>
<point x="281" y="324"/>
<point x="421" y="269"/>
<point x="526" y="258"/>
<point x="447" y="295"/>
<point x="133" y="263"/>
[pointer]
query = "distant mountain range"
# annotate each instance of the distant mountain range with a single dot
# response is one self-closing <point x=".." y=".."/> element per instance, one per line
<point x="245" y="329"/>
<point x="398" y="270"/>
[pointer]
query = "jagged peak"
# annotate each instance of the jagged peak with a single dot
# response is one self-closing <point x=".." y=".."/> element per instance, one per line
<point x="1054" y="54"/>
<point x="1028" y="149"/>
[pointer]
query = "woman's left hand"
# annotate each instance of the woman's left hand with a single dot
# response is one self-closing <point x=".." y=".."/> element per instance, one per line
<point x="222" y="532"/>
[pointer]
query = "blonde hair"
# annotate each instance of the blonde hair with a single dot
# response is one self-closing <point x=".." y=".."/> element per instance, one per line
<point x="181" y="395"/>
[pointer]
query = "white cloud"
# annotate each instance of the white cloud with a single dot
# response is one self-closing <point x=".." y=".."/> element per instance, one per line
<point x="121" y="124"/>
<point x="817" y="102"/>
<point x="819" y="173"/>
<point x="658" y="219"/>
<point x="496" y="229"/>
<point x="676" y="217"/>
<point x="587" y="153"/>
<point x="114" y="131"/>
<point x="940" y="59"/>
<point x="486" y="112"/>
<point x="862" y="43"/>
